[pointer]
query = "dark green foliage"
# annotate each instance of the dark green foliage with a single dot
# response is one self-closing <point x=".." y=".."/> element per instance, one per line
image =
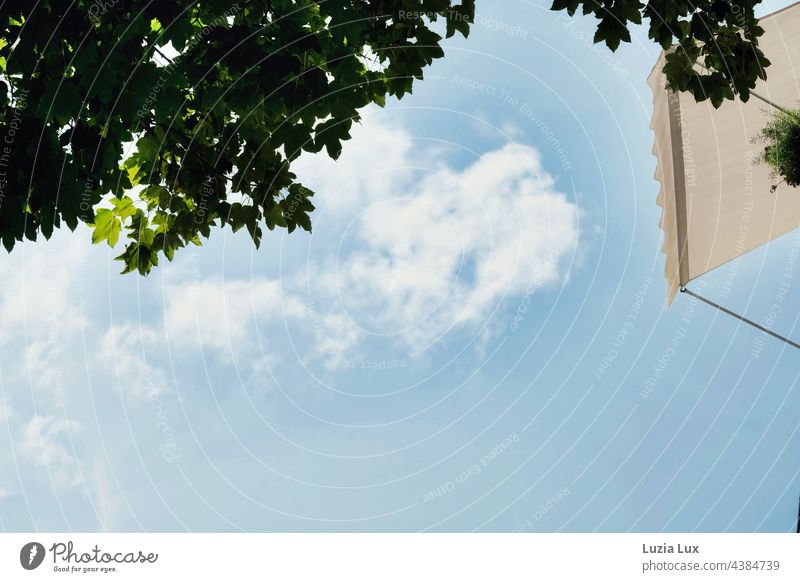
<point x="215" y="128"/>
<point x="782" y="152"/>
<point x="722" y="37"/>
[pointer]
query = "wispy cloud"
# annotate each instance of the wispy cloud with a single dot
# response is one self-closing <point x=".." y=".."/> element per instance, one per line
<point x="220" y="314"/>
<point x="123" y="348"/>
<point x="44" y="443"/>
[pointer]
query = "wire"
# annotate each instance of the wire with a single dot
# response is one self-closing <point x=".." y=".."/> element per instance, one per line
<point x="741" y="318"/>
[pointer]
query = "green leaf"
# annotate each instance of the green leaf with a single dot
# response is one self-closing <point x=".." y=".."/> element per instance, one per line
<point x="66" y="103"/>
<point x="106" y="227"/>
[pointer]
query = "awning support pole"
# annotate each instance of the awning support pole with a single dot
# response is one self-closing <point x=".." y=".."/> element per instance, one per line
<point x="741" y="318"/>
<point x="768" y="102"/>
<point x="798" y="519"/>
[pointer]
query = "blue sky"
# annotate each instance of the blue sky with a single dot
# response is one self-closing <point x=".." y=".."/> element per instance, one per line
<point x="474" y="338"/>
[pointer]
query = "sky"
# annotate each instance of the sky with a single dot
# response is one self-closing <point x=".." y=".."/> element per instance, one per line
<point x="474" y="338"/>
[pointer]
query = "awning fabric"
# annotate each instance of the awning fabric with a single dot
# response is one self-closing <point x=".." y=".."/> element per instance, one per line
<point x="715" y="194"/>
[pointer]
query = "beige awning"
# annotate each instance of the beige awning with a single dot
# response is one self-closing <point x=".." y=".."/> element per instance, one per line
<point x="715" y="195"/>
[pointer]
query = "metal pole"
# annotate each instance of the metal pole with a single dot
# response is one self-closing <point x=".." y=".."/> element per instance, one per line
<point x="768" y="102"/>
<point x="741" y="318"/>
<point x="798" y="518"/>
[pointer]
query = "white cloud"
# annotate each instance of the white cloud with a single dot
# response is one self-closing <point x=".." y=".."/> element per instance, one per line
<point x="361" y="172"/>
<point x="40" y="310"/>
<point x="107" y="496"/>
<point x="37" y="298"/>
<point x="44" y="442"/>
<point x="123" y="348"/>
<point x="425" y="248"/>
<point x="6" y="412"/>
<point x="220" y="314"/>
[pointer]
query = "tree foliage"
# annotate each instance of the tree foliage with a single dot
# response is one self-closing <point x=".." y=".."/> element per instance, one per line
<point x="159" y="121"/>
<point x="217" y="99"/>
<point x="721" y="36"/>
